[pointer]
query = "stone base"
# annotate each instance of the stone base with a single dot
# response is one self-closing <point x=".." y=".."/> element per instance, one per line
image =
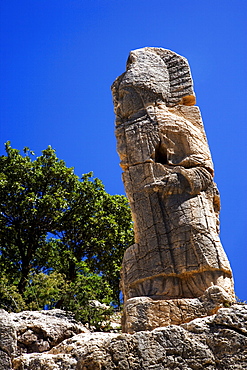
<point x="144" y="313"/>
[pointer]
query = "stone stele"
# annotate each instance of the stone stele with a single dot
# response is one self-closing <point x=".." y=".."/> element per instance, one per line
<point x="177" y="266"/>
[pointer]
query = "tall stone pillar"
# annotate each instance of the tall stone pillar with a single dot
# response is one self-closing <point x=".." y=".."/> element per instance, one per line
<point x="177" y="269"/>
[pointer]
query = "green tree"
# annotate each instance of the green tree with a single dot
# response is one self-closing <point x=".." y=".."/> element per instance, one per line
<point x="34" y="195"/>
<point x="51" y="221"/>
<point x="97" y="230"/>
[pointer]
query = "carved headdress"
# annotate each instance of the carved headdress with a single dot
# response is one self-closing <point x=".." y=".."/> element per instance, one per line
<point x="161" y="73"/>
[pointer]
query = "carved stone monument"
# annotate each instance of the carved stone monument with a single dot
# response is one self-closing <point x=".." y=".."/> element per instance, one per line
<point x="177" y="269"/>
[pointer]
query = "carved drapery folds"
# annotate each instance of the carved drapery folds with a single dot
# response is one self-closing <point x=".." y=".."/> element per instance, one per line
<point x="168" y="178"/>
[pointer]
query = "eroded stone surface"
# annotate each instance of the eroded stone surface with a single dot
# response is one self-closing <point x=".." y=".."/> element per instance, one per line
<point x="8" y="340"/>
<point x="215" y="342"/>
<point x="33" y="331"/>
<point x="168" y="178"/>
<point x="144" y="313"/>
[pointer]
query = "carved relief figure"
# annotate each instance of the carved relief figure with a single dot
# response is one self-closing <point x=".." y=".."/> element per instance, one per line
<point x="168" y="178"/>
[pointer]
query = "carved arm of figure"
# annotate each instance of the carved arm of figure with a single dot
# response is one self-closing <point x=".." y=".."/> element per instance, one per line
<point x="180" y="180"/>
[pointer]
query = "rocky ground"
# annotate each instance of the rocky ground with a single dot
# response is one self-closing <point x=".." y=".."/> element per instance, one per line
<point x="50" y="340"/>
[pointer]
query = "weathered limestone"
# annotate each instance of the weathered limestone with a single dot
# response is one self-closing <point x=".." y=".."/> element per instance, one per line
<point x="168" y="177"/>
<point x="36" y="331"/>
<point x="144" y="313"/>
<point x="214" y="342"/>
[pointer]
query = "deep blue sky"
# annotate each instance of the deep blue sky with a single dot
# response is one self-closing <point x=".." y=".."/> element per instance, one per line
<point x="59" y="58"/>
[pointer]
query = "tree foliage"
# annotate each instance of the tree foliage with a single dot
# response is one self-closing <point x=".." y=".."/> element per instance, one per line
<point x="62" y="238"/>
